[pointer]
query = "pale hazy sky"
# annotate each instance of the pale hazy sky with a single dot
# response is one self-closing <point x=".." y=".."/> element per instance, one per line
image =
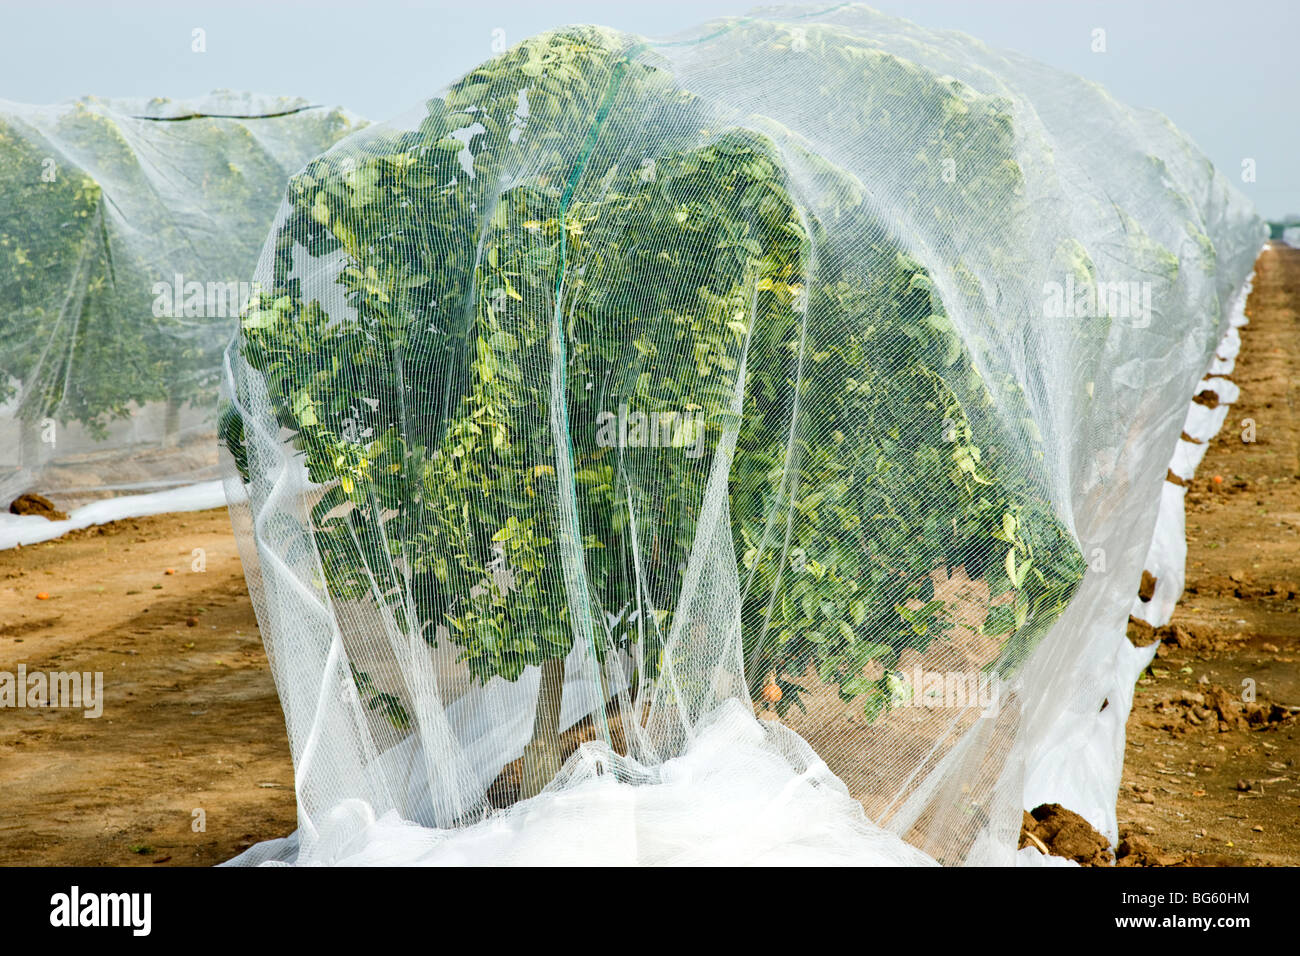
<point x="1226" y="73"/>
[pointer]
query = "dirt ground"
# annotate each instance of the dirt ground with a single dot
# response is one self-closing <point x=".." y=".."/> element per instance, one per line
<point x="191" y="721"/>
<point x="1198" y="787"/>
<point x="190" y="763"/>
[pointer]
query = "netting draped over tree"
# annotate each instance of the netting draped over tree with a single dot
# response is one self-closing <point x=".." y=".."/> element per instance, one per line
<point x="128" y="234"/>
<point x="801" y="365"/>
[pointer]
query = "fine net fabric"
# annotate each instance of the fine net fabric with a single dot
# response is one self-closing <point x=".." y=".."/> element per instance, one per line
<point x="129" y="230"/>
<point x="740" y="447"/>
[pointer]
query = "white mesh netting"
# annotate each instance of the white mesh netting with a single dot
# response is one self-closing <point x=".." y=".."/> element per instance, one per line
<point x="128" y="234"/>
<point x="819" y="367"/>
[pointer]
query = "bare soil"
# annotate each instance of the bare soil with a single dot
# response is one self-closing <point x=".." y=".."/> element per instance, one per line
<point x="191" y="721"/>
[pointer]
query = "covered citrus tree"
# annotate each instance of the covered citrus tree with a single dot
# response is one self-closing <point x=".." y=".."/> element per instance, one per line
<point x="522" y="347"/>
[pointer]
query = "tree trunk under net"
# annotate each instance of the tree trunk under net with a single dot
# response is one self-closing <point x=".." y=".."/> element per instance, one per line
<point x="542" y="755"/>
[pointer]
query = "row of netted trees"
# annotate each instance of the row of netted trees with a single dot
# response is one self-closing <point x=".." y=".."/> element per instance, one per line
<point x="128" y="234"/>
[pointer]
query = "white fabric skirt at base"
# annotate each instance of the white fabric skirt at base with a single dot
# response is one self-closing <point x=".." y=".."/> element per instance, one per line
<point x="746" y="792"/>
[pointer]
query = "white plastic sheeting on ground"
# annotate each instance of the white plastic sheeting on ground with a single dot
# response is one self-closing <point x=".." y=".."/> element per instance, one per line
<point x="32" y="529"/>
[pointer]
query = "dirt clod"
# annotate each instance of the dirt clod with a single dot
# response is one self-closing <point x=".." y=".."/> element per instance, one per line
<point x="1065" y="834"/>
<point x="37" y="505"/>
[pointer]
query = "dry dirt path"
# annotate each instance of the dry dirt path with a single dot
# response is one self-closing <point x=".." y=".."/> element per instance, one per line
<point x="1228" y="791"/>
<point x="190" y="718"/>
